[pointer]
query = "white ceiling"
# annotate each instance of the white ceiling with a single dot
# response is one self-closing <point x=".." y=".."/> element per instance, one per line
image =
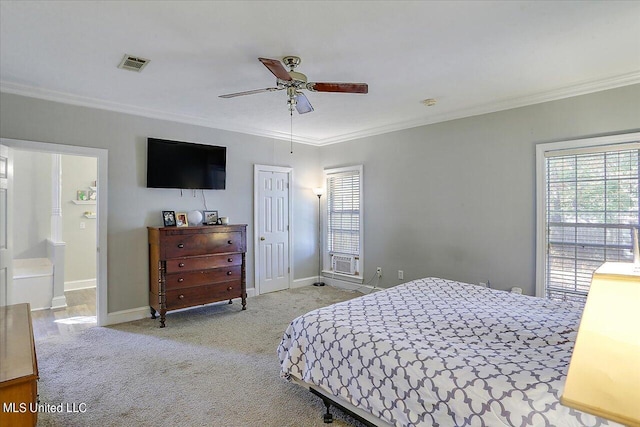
<point x="472" y="56"/>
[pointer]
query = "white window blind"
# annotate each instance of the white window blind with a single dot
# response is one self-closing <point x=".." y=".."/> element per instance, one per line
<point x="343" y="212"/>
<point x="592" y="204"/>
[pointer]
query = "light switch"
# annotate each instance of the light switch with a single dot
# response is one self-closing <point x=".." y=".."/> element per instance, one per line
<point x="83" y="225"/>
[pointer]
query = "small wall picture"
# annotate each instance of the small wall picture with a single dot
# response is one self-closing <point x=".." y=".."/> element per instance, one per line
<point x="169" y="218"/>
<point x="210" y="217"/>
<point x="181" y="219"/>
<point x="92" y="195"/>
<point x="82" y="195"/>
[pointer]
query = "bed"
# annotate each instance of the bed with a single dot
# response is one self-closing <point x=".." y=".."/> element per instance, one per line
<point x="438" y="352"/>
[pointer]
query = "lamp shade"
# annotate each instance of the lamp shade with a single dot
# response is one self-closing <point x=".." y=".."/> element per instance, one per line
<point x="604" y="373"/>
<point x="318" y="191"/>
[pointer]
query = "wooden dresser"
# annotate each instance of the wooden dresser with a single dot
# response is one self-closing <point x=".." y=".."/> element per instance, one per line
<point x="18" y="367"/>
<point x="191" y="266"/>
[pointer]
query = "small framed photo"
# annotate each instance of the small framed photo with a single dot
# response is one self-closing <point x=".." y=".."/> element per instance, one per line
<point x="92" y="195"/>
<point x="169" y="218"/>
<point x="181" y="219"/>
<point x="210" y="217"/>
<point x="82" y="195"/>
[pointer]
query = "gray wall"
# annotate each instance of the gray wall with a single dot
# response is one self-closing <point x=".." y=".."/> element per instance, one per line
<point x="133" y="207"/>
<point x="457" y="199"/>
<point x="454" y="199"/>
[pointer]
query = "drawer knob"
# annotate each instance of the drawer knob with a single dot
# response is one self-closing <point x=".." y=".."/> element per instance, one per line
<point x="181" y="245"/>
<point x="230" y="259"/>
<point x="180" y="280"/>
<point x="181" y="296"/>
<point x="230" y="242"/>
<point x="181" y="264"/>
<point x="228" y="273"/>
<point x="230" y="288"/>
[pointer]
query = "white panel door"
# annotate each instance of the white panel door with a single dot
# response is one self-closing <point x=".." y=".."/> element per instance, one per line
<point x="6" y="256"/>
<point x="273" y="231"/>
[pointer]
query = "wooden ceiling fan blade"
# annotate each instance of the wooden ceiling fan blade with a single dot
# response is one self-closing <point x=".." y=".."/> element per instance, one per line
<point x="303" y="105"/>
<point x="251" y="92"/>
<point x="339" y="87"/>
<point x="276" y="68"/>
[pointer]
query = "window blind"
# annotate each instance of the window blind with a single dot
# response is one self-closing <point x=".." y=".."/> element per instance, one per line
<point x="343" y="212"/>
<point x="592" y="204"/>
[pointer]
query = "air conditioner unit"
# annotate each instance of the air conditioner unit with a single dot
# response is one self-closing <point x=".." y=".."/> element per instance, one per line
<point x="345" y="264"/>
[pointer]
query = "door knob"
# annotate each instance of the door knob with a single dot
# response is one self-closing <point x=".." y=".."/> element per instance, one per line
<point x="262" y="238"/>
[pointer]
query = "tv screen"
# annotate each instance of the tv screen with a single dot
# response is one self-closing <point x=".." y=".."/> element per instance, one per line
<point x="173" y="164"/>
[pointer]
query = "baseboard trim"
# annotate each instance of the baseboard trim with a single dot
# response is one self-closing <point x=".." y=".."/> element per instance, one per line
<point x="336" y="283"/>
<point x="305" y="281"/>
<point x="76" y="285"/>
<point x="145" y="312"/>
<point x="349" y="286"/>
<point x="127" y="315"/>
<point x="58" y="302"/>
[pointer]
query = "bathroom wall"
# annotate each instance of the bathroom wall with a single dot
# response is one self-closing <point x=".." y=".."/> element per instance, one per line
<point x="78" y="231"/>
<point x="31" y="204"/>
<point x="32" y="213"/>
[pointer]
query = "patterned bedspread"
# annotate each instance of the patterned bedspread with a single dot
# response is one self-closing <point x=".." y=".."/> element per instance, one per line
<point x="435" y="352"/>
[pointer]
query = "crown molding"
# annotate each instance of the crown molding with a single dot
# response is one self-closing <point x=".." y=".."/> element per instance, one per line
<point x="491" y="107"/>
<point x="82" y="101"/>
<point x="582" y="88"/>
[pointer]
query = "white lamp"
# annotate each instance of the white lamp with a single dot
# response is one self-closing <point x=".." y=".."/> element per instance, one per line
<point x="194" y="217"/>
<point x="318" y="191"/>
<point x="604" y="373"/>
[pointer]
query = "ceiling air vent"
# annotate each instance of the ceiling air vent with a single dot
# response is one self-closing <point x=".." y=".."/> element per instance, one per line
<point x="133" y="63"/>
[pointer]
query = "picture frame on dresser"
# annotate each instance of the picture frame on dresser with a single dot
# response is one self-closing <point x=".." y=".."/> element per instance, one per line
<point x="169" y="218"/>
<point x="210" y="217"/>
<point x="181" y="219"/>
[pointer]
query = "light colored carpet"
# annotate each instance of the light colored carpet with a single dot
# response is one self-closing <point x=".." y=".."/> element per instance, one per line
<point x="211" y="366"/>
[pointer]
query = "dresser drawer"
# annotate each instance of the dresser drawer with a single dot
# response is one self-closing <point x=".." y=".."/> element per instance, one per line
<point x="182" y="245"/>
<point x="202" y="277"/>
<point x="180" y="298"/>
<point x="203" y="262"/>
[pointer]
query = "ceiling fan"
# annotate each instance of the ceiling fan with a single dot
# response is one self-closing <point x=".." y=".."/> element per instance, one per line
<point x="294" y="82"/>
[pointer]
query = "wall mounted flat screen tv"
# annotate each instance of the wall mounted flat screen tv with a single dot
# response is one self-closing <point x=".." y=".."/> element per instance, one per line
<point x="174" y="164"/>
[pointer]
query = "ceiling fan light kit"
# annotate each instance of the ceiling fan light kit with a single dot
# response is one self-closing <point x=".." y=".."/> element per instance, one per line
<point x="294" y="82"/>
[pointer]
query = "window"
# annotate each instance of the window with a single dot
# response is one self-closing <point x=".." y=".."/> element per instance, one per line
<point x="344" y="220"/>
<point x="589" y="195"/>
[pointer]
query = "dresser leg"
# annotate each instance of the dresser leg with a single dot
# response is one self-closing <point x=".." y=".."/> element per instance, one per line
<point x="244" y="302"/>
<point x="153" y="312"/>
<point x="162" y="317"/>
<point x="230" y="302"/>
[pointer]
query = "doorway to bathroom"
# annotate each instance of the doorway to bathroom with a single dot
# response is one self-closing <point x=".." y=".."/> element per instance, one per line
<point x="56" y="235"/>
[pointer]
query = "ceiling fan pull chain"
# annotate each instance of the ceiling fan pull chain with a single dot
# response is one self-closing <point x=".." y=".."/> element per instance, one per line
<point x="291" y="130"/>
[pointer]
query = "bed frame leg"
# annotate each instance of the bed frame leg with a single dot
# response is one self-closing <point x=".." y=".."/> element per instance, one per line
<point x="328" y="418"/>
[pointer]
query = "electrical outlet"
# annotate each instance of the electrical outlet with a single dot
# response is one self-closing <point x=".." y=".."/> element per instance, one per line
<point x="400" y="274"/>
<point x="379" y="271"/>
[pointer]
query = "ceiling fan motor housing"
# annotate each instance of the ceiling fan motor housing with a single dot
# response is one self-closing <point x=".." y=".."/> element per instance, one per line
<point x="299" y="78"/>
